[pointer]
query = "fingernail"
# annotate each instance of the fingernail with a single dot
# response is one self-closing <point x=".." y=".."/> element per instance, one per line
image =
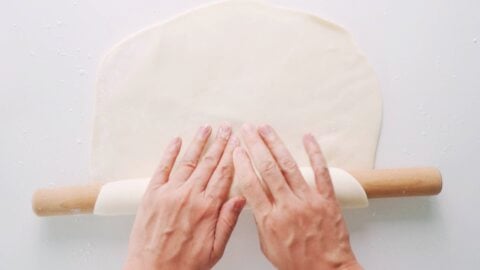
<point x="205" y="131"/>
<point x="224" y="131"/>
<point x="234" y="141"/>
<point x="238" y="205"/>
<point x="265" y="130"/>
<point x="174" y="143"/>
<point x="309" y="136"/>
<point x="249" y="128"/>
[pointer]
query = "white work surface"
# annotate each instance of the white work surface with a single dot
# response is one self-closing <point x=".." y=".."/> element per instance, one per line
<point x="426" y="55"/>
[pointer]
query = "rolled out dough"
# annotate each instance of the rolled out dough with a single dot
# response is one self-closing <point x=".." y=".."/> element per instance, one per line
<point x="123" y="197"/>
<point x="239" y="61"/>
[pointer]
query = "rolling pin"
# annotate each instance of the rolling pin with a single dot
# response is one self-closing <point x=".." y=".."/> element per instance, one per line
<point x="383" y="183"/>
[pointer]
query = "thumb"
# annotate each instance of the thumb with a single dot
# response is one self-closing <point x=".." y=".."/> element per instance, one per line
<point x="227" y="219"/>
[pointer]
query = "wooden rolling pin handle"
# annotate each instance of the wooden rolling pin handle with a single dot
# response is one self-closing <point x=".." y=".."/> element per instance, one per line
<point x="399" y="182"/>
<point x="66" y="200"/>
<point x="376" y="183"/>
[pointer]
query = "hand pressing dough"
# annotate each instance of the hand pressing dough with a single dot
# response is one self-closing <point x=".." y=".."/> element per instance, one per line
<point x="236" y="61"/>
<point x="123" y="197"/>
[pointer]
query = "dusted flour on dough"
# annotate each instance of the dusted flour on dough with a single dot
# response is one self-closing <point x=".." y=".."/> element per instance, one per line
<point x="236" y="61"/>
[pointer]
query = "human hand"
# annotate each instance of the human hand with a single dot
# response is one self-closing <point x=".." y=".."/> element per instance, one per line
<point x="299" y="227"/>
<point x="185" y="219"/>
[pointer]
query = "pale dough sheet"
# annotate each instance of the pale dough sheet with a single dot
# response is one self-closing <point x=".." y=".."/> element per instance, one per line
<point x="236" y="61"/>
<point x="239" y="61"/>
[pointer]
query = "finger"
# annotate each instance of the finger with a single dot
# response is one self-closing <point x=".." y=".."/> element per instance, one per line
<point x="249" y="183"/>
<point x="190" y="159"/>
<point x="285" y="161"/>
<point x="319" y="166"/>
<point x="227" y="219"/>
<point x="221" y="180"/>
<point x="265" y="163"/>
<point x="166" y="164"/>
<point x="201" y="175"/>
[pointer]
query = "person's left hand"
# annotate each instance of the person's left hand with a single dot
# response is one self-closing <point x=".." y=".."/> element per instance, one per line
<point x="185" y="219"/>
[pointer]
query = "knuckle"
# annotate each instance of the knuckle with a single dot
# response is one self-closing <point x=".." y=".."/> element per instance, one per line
<point x="298" y="209"/>
<point x="288" y="209"/>
<point x="172" y="201"/>
<point x="316" y="205"/>
<point x="321" y="171"/>
<point x="196" y="207"/>
<point x="216" y="189"/>
<point x="215" y="203"/>
<point x="270" y="223"/>
<point x="268" y="166"/>
<point x="212" y="202"/>
<point x="288" y="165"/>
<point x="163" y="169"/>
<point x="315" y="201"/>
<point x="228" y="222"/>
<point x="278" y="188"/>
<point x="209" y="160"/>
<point x="225" y="171"/>
<point x="149" y="196"/>
<point x="187" y="163"/>
<point x="330" y="211"/>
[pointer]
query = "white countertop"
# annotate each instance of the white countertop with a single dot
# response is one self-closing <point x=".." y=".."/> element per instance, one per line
<point x="426" y="55"/>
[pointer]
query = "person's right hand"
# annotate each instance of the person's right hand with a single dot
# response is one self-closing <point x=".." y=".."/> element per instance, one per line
<point x="299" y="227"/>
<point x="185" y="218"/>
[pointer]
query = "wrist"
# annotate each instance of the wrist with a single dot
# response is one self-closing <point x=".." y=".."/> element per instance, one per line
<point x="147" y="263"/>
<point x="132" y="264"/>
<point x="142" y="261"/>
